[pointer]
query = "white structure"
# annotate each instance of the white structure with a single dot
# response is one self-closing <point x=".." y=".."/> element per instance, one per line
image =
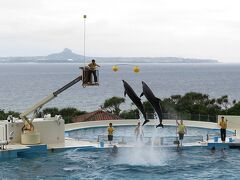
<point x="42" y="131"/>
<point x="49" y="131"/>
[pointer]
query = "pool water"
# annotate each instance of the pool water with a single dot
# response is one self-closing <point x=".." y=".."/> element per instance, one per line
<point x="149" y="131"/>
<point x="196" y="163"/>
<point x="145" y="162"/>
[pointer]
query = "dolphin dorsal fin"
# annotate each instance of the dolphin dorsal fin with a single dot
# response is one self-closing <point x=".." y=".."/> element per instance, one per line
<point x="141" y="94"/>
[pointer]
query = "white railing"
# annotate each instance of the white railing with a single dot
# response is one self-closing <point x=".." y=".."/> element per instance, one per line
<point x="155" y="141"/>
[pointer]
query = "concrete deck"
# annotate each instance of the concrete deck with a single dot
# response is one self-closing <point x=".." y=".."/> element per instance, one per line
<point x="13" y="150"/>
<point x="197" y="124"/>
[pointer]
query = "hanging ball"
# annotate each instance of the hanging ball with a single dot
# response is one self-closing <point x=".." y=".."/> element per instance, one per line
<point x="136" y="69"/>
<point x="115" y="68"/>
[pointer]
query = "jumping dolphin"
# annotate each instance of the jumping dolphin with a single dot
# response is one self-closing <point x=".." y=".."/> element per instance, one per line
<point x="135" y="99"/>
<point x="154" y="101"/>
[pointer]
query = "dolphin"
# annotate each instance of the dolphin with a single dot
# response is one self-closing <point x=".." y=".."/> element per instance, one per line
<point x="154" y="101"/>
<point x="135" y="99"/>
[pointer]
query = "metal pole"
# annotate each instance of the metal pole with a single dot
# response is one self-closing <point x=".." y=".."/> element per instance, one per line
<point x="84" y="38"/>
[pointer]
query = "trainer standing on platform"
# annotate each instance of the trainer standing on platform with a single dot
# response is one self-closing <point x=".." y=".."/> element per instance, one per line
<point x="92" y="66"/>
<point x="181" y="129"/>
<point x="110" y="133"/>
<point x="223" y="125"/>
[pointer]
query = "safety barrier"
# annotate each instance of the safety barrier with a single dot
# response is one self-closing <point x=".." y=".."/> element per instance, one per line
<point x="156" y="141"/>
<point x="216" y="137"/>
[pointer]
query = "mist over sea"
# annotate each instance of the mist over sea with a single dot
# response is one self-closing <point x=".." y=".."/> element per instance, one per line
<point x="22" y="85"/>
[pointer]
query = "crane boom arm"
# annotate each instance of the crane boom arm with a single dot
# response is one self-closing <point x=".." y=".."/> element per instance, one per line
<point x="37" y="105"/>
<point x="44" y="101"/>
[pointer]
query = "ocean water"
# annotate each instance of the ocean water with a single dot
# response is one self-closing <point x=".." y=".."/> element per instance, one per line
<point x="22" y="85"/>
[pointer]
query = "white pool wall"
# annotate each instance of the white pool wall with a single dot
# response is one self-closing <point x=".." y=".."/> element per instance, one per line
<point x="80" y="125"/>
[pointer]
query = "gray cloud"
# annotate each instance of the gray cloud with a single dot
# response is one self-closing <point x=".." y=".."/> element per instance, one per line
<point x="186" y="28"/>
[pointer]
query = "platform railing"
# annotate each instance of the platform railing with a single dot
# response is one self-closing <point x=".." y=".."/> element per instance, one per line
<point x="218" y="135"/>
<point x="155" y="141"/>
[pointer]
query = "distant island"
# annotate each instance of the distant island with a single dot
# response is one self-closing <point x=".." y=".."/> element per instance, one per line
<point x="67" y="56"/>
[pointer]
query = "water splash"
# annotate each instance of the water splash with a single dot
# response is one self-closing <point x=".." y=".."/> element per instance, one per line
<point x="143" y="153"/>
<point x="142" y="156"/>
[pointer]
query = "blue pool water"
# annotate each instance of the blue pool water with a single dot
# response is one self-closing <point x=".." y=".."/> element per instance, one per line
<point x="149" y="131"/>
<point x="127" y="164"/>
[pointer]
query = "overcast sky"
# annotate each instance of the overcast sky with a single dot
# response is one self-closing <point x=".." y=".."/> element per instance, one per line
<point x="179" y="28"/>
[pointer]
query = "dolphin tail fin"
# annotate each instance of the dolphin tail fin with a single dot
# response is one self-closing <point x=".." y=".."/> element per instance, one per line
<point x="141" y="94"/>
<point x="159" y="125"/>
<point x="125" y="93"/>
<point x="146" y="121"/>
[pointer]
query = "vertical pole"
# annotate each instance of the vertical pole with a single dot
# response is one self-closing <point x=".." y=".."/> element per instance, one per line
<point x="84" y="50"/>
<point x="84" y="37"/>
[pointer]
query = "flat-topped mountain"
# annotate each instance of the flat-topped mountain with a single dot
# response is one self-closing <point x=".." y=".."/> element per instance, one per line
<point x="67" y="56"/>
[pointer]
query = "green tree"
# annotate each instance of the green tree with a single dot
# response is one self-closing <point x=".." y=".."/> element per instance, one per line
<point x="148" y="109"/>
<point x="112" y="105"/>
<point x="175" y="98"/>
<point x="4" y="115"/>
<point x="69" y="113"/>
<point x="130" y="114"/>
<point x="191" y="105"/>
<point x="223" y="102"/>
<point x="53" y="111"/>
<point x="168" y="106"/>
<point x="235" y="109"/>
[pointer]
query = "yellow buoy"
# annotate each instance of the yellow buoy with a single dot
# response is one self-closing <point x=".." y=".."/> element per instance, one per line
<point x="136" y="69"/>
<point x="115" y="68"/>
